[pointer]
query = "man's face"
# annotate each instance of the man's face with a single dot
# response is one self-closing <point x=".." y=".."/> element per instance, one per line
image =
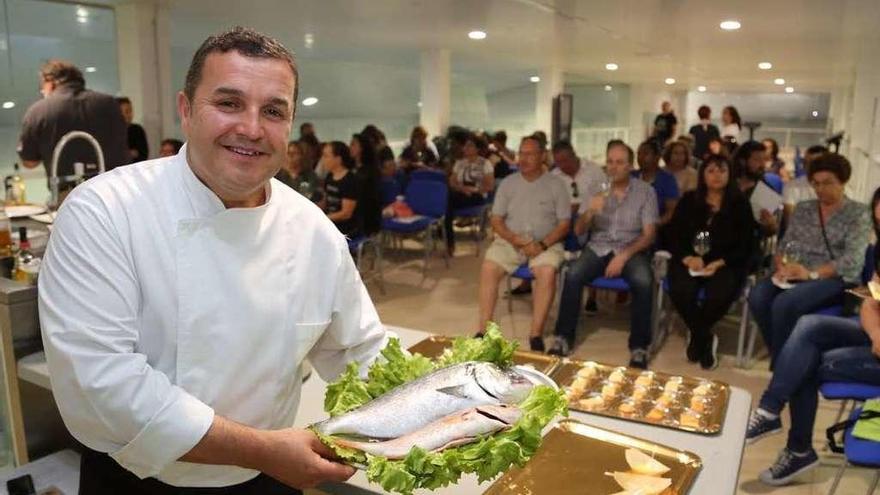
<point x="166" y="149"/>
<point x="648" y="158"/>
<point x="307" y="130"/>
<point x="756" y="161"/>
<point x="666" y="107"/>
<point x="238" y="122"/>
<point x="530" y="155"/>
<point x="567" y="162"/>
<point x="127" y="112"/>
<point x="617" y="164"/>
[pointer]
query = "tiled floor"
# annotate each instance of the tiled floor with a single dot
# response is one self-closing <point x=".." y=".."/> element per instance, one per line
<point x="445" y="302"/>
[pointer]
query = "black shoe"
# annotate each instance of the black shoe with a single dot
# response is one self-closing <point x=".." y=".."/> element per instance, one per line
<point x="522" y="289"/>
<point x="560" y="347"/>
<point x="709" y="359"/>
<point x="590" y="308"/>
<point x="638" y="358"/>
<point x="693" y="348"/>
<point x="536" y="344"/>
<point x="788" y="466"/>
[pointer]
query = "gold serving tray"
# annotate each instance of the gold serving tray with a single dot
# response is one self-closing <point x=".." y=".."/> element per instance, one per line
<point x="433" y="346"/>
<point x="574" y="458"/>
<point x="643" y="400"/>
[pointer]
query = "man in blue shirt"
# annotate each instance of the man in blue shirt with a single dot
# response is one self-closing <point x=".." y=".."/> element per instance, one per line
<point x="663" y="182"/>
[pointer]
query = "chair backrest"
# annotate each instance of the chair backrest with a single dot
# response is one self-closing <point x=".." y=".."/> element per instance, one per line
<point x="389" y="189"/>
<point x="868" y="269"/>
<point x="427" y="174"/>
<point x="427" y="197"/>
<point x="774" y="181"/>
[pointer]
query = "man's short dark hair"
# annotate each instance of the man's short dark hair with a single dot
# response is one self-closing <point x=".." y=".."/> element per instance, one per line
<point x="123" y="99"/>
<point x="563" y="145"/>
<point x="816" y="149"/>
<point x="833" y="163"/>
<point x="246" y="42"/>
<point x="174" y="143"/>
<point x="532" y="137"/>
<point x="61" y="71"/>
<point x="704" y="112"/>
<point x="618" y="143"/>
<point x="500" y="137"/>
<point x="652" y="145"/>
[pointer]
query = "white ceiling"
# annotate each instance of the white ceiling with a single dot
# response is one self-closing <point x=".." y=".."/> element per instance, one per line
<point x="813" y="44"/>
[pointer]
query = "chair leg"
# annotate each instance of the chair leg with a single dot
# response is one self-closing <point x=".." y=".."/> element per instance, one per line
<point x="874" y="483"/>
<point x="360" y="258"/>
<point x="443" y="244"/>
<point x="837" y="477"/>
<point x="377" y="250"/>
<point x="741" y="338"/>
<point x="658" y="332"/>
<point x="750" y="350"/>
<point x="429" y="248"/>
<point x="841" y="411"/>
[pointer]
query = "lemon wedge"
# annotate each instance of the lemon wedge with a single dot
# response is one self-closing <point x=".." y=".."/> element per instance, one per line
<point x="642" y="463"/>
<point x="649" y="485"/>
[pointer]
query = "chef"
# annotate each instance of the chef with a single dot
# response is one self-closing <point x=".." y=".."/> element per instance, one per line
<point x="179" y="297"/>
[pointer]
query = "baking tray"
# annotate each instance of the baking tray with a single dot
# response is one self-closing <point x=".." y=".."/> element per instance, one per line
<point x="433" y="346"/>
<point x="574" y="458"/>
<point x="635" y="401"/>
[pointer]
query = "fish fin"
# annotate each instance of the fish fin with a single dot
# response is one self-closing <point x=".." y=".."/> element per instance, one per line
<point x="459" y="391"/>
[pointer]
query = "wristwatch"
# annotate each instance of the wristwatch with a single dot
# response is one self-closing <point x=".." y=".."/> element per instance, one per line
<point x="814" y="275"/>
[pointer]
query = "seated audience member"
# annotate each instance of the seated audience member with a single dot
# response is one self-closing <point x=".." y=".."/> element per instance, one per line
<point x="580" y="176"/>
<point x="369" y="202"/>
<point x="312" y="151"/>
<point x="677" y="158"/>
<point x="704" y="132"/>
<point x="774" y="164"/>
<point x="718" y="147"/>
<point x="170" y="147"/>
<point x="716" y="207"/>
<point x="820" y="349"/>
<point x="297" y="175"/>
<point x="622" y="228"/>
<point x="827" y="239"/>
<point x="501" y="157"/>
<point x="748" y="171"/>
<point x="471" y="181"/>
<point x="530" y="218"/>
<point x="663" y="182"/>
<point x="799" y="188"/>
<point x="417" y="154"/>
<point x="341" y="189"/>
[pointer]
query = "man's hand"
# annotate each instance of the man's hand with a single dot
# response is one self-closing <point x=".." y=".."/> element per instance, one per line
<point x="597" y="204"/>
<point x="532" y="249"/>
<point x="615" y="266"/>
<point x="693" y="263"/>
<point x="297" y="458"/>
<point x="520" y="242"/>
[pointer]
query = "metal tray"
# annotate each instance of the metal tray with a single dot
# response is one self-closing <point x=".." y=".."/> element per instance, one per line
<point x="574" y="458"/>
<point x="433" y="346"/>
<point x="650" y="404"/>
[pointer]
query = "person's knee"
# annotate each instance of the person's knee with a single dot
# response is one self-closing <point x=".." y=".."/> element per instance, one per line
<point x="544" y="274"/>
<point x="491" y="271"/>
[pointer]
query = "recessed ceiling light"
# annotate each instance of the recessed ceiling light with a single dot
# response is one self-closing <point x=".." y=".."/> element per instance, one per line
<point x="701" y="89"/>
<point x="535" y="79"/>
<point x="730" y="25"/>
<point x="91" y="69"/>
<point x="311" y="100"/>
<point x="765" y="66"/>
<point x="608" y="87"/>
<point x="611" y="66"/>
<point x="815" y="113"/>
<point x="779" y="81"/>
<point x="789" y="89"/>
<point x="309" y="40"/>
<point x="8" y="104"/>
<point x="82" y="12"/>
<point x="669" y="80"/>
<point x="82" y="20"/>
<point x="419" y="104"/>
<point x="477" y="35"/>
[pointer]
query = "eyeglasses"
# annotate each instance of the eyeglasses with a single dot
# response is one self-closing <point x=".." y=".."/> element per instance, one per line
<point x="574" y="190"/>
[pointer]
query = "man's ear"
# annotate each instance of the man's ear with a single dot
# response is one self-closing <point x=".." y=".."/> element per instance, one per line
<point x="184" y="111"/>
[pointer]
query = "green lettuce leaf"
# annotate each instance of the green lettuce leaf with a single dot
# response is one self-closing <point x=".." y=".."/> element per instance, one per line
<point x="492" y="348"/>
<point x="346" y="393"/>
<point x="397" y="369"/>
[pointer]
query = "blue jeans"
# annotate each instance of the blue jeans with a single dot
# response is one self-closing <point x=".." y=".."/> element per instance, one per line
<point x="588" y="267"/>
<point x="821" y="349"/>
<point x="776" y="311"/>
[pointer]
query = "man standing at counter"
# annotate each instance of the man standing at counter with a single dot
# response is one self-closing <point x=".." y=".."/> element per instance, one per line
<point x="179" y="297"/>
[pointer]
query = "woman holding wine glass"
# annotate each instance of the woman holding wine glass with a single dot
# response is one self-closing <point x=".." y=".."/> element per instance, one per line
<point x="830" y="234"/>
<point x="712" y="240"/>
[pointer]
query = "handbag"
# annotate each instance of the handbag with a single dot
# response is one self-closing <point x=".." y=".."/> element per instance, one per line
<point x="833" y="430"/>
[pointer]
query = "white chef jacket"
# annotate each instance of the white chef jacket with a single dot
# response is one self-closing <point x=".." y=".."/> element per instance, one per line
<point x="160" y="307"/>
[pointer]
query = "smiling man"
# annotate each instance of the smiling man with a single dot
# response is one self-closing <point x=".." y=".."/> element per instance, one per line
<point x="178" y="298"/>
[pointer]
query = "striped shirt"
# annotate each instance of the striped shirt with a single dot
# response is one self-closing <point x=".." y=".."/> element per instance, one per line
<point x="622" y="221"/>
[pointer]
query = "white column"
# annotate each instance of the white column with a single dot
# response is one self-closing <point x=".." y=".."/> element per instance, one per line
<point x="144" y="54"/>
<point x="864" y="126"/>
<point x="551" y="84"/>
<point x="435" y="91"/>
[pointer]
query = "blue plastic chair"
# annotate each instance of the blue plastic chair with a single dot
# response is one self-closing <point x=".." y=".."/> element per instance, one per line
<point x="389" y="189"/>
<point x="478" y="215"/>
<point x="427" y="198"/>
<point x="357" y="245"/>
<point x="858" y="452"/>
<point x="774" y="181"/>
<point x="427" y="174"/>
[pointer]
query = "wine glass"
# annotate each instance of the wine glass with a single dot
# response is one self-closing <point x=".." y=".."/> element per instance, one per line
<point x="605" y="187"/>
<point x="702" y="243"/>
<point x="790" y="252"/>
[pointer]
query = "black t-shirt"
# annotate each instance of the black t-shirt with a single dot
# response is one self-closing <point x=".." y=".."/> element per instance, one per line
<point x="137" y="140"/>
<point x="663" y="125"/>
<point x="337" y="190"/>
<point x="426" y="156"/>
<point x="71" y="107"/>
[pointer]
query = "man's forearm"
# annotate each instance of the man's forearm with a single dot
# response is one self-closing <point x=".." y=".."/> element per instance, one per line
<point x="641" y="243"/>
<point x="557" y="234"/>
<point x="500" y="228"/>
<point x="229" y="443"/>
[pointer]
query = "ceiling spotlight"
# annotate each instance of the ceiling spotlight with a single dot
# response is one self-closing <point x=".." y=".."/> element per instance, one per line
<point x="535" y="79"/>
<point x="669" y="80"/>
<point x="765" y="66"/>
<point x="91" y="69"/>
<point x="419" y="104"/>
<point x="82" y="12"/>
<point x="311" y="100"/>
<point x="82" y="20"/>
<point x="815" y="113"/>
<point x="477" y="35"/>
<point x="789" y="89"/>
<point x="8" y="104"/>
<point x="779" y="81"/>
<point x="611" y="66"/>
<point x="730" y="25"/>
<point x="608" y="87"/>
<point x="701" y="89"/>
<point x="309" y="40"/>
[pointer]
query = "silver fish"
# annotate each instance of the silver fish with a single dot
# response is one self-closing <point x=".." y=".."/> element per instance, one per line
<point x="416" y="404"/>
<point x="456" y="429"/>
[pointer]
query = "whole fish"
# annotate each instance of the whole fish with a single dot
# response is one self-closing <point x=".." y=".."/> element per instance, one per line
<point x="413" y="405"/>
<point x="456" y="429"/>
